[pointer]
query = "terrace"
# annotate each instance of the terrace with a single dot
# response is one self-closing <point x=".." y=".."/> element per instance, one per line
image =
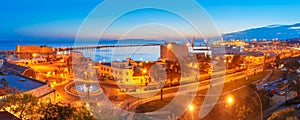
<point x="22" y="83"/>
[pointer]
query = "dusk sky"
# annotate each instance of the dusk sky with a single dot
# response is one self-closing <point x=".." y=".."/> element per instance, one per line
<point x="55" y="19"/>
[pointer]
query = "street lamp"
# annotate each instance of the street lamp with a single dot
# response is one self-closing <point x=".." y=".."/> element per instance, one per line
<point x="161" y="90"/>
<point x="191" y="109"/>
<point x="169" y="46"/>
<point x="144" y="72"/>
<point x="229" y="101"/>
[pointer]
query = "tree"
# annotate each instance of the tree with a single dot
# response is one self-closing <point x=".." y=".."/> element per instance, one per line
<point x="243" y="111"/>
<point x="208" y="58"/>
<point x="236" y="60"/>
<point x="24" y="106"/>
<point x="286" y="114"/>
<point x="83" y="114"/>
<point x="4" y="83"/>
<point x="248" y="104"/>
<point x="61" y="111"/>
<point x="278" y="61"/>
<point x="57" y="111"/>
<point x="292" y="64"/>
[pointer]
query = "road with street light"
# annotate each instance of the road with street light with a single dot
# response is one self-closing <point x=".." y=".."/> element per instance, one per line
<point x="173" y="91"/>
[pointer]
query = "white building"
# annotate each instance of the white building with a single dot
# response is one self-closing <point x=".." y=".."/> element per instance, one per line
<point x="121" y="72"/>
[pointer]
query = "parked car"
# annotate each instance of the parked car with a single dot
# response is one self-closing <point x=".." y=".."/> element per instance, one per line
<point x="297" y="106"/>
<point x="298" y="70"/>
<point x="282" y="79"/>
<point x="269" y="89"/>
<point x="273" y="91"/>
<point x="285" y="81"/>
<point x="294" y="81"/>
<point x="267" y="84"/>
<point x="281" y="93"/>
<point x="280" y="86"/>
<point x="5" y="73"/>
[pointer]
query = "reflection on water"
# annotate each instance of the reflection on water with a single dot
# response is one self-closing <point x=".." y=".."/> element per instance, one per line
<point x="143" y="53"/>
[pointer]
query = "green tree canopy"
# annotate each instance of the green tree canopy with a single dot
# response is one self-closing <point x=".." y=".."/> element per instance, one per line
<point x="286" y="114"/>
<point x="57" y="111"/>
<point x="61" y="111"/>
<point x="23" y="106"/>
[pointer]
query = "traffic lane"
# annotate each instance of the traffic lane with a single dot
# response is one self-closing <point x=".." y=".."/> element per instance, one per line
<point x="198" y="86"/>
<point x="232" y="76"/>
<point x="190" y="88"/>
<point x="203" y="86"/>
<point x="64" y="96"/>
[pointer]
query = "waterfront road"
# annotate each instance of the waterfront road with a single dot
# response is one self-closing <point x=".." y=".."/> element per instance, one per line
<point x="173" y="91"/>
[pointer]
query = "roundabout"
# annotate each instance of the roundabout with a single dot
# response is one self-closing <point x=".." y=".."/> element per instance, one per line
<point x="83" y="89"/>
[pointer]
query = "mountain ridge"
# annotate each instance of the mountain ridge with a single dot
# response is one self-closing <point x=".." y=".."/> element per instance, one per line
<point x="275" y="31"/>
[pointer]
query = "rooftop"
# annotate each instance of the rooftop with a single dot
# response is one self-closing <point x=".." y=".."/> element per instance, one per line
<point x="118" y="64"/>
<point x="16" y="67"/>
<point x="22" y="83"/>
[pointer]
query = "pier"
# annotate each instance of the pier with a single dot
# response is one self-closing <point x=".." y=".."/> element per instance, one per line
<point x="101" y="46"/>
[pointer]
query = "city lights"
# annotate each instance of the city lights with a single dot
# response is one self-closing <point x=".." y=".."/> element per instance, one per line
<point x="149" y="60"/>
<point x="191" y="107"/>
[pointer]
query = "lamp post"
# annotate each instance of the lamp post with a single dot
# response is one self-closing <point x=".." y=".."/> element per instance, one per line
<point x="169" y="47"/>
<point x="191" y="109"/>
<point x="128" y="106"/>
<point x="144" y="72"/>
<point x="261" y="106"/>
<point x="161" y="90"/>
